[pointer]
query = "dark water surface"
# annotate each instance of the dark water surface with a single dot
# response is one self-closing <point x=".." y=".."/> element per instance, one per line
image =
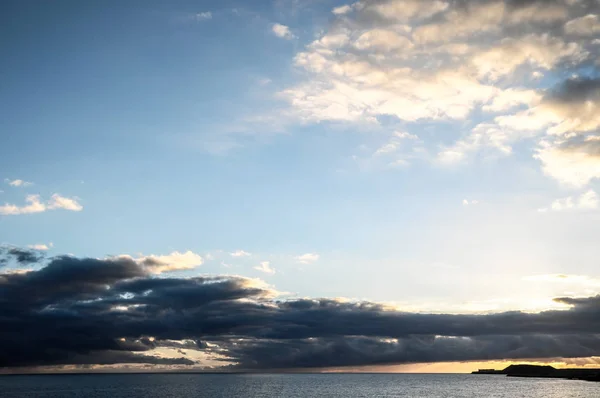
<point x="296" y="385"/>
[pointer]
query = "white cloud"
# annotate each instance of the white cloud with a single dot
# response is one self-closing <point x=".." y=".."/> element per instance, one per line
<point x="405" y="135"/>
<point x="34" y="205"/>
<point x="175" y="261"/>
<point x="541" y="51"/>
<point x="387" y="148"/>
<point x="484" y="135"/>
<point x="573" y="164"/>
<point x="511" y="98"/>
<point x="567" y="116"/>
<point x="441" y="61"/>
<point x="341" y="10"/>
<point x="382" y="40"/>
<point x="390" y="75"/>
<point x="240" y="253"/>
<point x="60" y="202"/>
<point x="586" y="201"/>
<point x="467" y="202"/>
<point x="202" y="16"/>
<point x="41" y="246"/>
<point x="401" y="148"/>
<point x="282" y="31"/>
<point x="307" y="258"/>
<point x="18" y="183"/>
<point x="265" y="266"/>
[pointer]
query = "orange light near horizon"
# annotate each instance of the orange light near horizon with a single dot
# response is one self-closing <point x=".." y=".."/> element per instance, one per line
<point x="468" y="367"/>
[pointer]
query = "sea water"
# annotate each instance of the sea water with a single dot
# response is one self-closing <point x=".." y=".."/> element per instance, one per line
<point x="292" y="385"/>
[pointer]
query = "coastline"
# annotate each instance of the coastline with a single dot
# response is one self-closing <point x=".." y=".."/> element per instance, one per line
<point x="547" y="372"/>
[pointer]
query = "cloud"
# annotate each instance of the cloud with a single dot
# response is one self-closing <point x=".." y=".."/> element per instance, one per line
<point x="450" y="63"/>
<point x="19" y="255"/>
<point x="396" y="141"/>
<point x="379" y="58"/>
<point x="41" y="246"/>
<point x="467" y="202"/>
<point x="240" y="253"/>
<point x="108" y="311"/>
<point x="565" y="114"/>
<point x="282" y="31"/>
<point x="265" y="266"/>
<point x="511" y="98"/>
<point x="60" y="202"/>
<point x="586" y="201"/>
<point x="573" y="161"/>
<point x="203" y="16"/>
<point x="341" y="10"/>
<point x="18" y="183"/>
<point x="175" y="261"/>
<point x="540" y="51"/>
<point x="307" y="258"/>
<point x="588" y="25"/>
<point x="35" y="205"/>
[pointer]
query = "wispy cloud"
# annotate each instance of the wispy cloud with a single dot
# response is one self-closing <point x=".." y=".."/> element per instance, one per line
<point x="307" y="258"/>
<point x="203" y="16"/>
<point x="61" y="202"/>
<point x="467" y="202"/>
<point x="41" y="246"/>
<point x="240" y="253"/>
<point x="34" y="204"/>
<point x="586" y="201"/>
<point x="282" y="31"/>
<point x="176" y="261"/>
<point x="18" y="183"/>
<point x="265" y="266"/>
<point x="341" y="10"/>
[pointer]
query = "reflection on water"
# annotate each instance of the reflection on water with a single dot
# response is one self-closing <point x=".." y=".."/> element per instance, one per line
<point x="298" y="385"/>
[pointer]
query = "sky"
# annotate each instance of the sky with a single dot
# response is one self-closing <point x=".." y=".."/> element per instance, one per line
<point x="299" y="184"/>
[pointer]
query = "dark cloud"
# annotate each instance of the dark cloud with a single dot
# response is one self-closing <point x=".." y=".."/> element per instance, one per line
<point x="90" y="311"/>
<point x="589" y="303"/>
<point x="361" y="350"/>
<point x="19" y="256"/>
<point x="580" y="89"/>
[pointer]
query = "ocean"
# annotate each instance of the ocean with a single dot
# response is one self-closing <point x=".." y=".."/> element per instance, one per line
<point x="292" y="385"/>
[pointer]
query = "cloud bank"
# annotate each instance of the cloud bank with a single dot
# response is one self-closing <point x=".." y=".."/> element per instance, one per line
<point x="83" y="311"/>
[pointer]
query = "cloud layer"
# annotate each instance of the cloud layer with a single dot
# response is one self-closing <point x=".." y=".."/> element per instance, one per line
<point x="526" y="69"/>
<point x="112" y="311"/>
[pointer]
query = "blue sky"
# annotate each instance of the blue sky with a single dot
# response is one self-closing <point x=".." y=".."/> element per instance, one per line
<point x="286" y="128"/>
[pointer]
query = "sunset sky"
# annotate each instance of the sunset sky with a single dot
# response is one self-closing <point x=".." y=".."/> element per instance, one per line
<point x="299" y="184"/>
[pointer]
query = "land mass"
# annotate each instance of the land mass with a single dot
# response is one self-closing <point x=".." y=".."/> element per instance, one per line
<point x="544" y="371"/>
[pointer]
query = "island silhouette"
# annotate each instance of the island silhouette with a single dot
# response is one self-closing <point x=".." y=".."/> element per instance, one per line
<point x="545" y="371"/>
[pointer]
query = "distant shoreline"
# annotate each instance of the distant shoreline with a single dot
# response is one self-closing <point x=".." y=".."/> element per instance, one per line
<point x="547" y="372"/>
